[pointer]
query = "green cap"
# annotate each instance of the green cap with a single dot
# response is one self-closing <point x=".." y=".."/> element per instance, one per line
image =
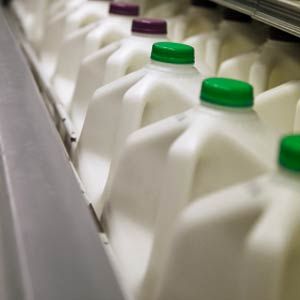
<point x="173" y="53"/>
<point x="227" y="92"/>
<point x="289" y="153"/>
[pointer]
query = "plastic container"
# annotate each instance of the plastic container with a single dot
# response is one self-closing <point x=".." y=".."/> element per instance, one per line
<point x="86" y="41"/>
<point x="32" y="15"/>
<point x="275" y="63"/>
<point x="113" y="62"/>
<point x="201" y="16"/>
<point x="280" y="107"/>
<point x="236" y="35"/>
<point x="243" y="240"/>
<point x="170" y="164"/>
<point x="168" y="85"/>
<point x="160" y="8"/>
<point x="77" y="15"/>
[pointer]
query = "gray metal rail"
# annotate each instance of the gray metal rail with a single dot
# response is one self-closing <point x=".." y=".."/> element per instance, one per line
<point x="49" y="246"/>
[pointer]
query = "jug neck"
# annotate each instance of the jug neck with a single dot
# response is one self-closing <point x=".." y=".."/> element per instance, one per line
<point x="149" y="36"/>
<point x="227" y="109"/>
<point x="172" y="67"/>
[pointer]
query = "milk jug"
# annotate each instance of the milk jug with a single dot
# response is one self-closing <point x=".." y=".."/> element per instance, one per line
<point x="234" y="36"/>
<point x="114" y="61"/>
<point x="201" y="16"/>
<point x="77" y="15"/>
<point x="32" y="15"/>
<point x="280" y="107"/>
<point x="160" y="8"/>
<point x="58" y="6"/>
<point x="170" y="164"/>
<point x="166" y="86"/>
<point x="86" y="41"/>
<point x="241" y="243"/>
<point x="277" y="62"/>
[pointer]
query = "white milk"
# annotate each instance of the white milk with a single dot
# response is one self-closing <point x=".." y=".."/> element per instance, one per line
<point x="241" y="243"/>
<point x="201" y="16"/>
<point x="235" y="35"/>
<point x="277" y="62"/>
<point x="78" y="14"/>
<point x="86" y="41"/>
<point x="168" y="85"/>
<point x="113" y="62"/>
<point x="170" y="164"/>
<point x="280" y="107"/>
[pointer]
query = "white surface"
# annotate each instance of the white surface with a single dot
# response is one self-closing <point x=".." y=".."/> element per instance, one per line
<point x="275" y="63"/>
<point x="241" y="243"/>
<point x="193" y="21"/>
<point x="116" y="110"/>
<point x="231" y="39"/>
<point x="166" y="166"/>
<point x="280" y="107"/>
<point x="106" y="65"/>
<point x="62" y="24"/>
<point x="81" y="43"/>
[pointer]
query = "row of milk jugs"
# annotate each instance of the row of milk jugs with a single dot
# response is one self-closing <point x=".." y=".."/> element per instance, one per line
<point x="198" y="195"/>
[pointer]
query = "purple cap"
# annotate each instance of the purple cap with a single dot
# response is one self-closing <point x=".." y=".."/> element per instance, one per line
<point x="124" y="9"/>
<point x="149" y="26"/>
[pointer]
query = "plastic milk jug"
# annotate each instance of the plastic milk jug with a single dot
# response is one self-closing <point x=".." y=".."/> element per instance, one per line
<point x="166" y="86"/>
<point x="58" y="6"/>
<point x="86" y="41"/>
<point x="234" y="36"/>
<point x="201" y="16"/>
<point x="160" y="8"/>
<point x="32" y="15"/>
<point x="241" y="243"/>
<point x="170" y="164"/>
<point x="114" y="61"/>
<point x="280" y="107"/>
<point x="60" y="26"/>
<point x="277" y="62"/>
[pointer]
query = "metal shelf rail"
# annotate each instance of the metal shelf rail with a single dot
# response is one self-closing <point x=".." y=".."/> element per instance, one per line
<point x="282" y="14"/>
<point x="49" y="245"/>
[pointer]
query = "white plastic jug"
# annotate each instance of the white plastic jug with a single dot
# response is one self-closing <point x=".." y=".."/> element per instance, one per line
<point x="78" y="14"/>
<point x="86" y="41"/>
<point x="236" y="34"/>
<point x="168" y="85"/>
<point x="32" y="15"/>
<point x="241" y="243"/>
<point x="280" y="107"/>
<point x="277" y="62"/>
<point x="170" y="164"/>
<point x="201" y="16"/>
<point x="160" y="8"/>
<point x="113" y="62"/>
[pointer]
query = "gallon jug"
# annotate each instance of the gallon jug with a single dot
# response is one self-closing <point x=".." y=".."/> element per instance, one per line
<point x="79" y="14"/>
<point x="58" y="6"/>
<point x="170" y="164"/>
<point x="280" y="107"/>
<point x="32" y="15"/>
<point x="241" y="243"/>
<point x="86" y="41"/>
<point x="236" y="34"/>
<point x="114" y="61"/>
<point x="166" y="86"/>
<point x="201" y="16"/>
<point x="277" y="62"/>
<point x="160" y="8"/>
